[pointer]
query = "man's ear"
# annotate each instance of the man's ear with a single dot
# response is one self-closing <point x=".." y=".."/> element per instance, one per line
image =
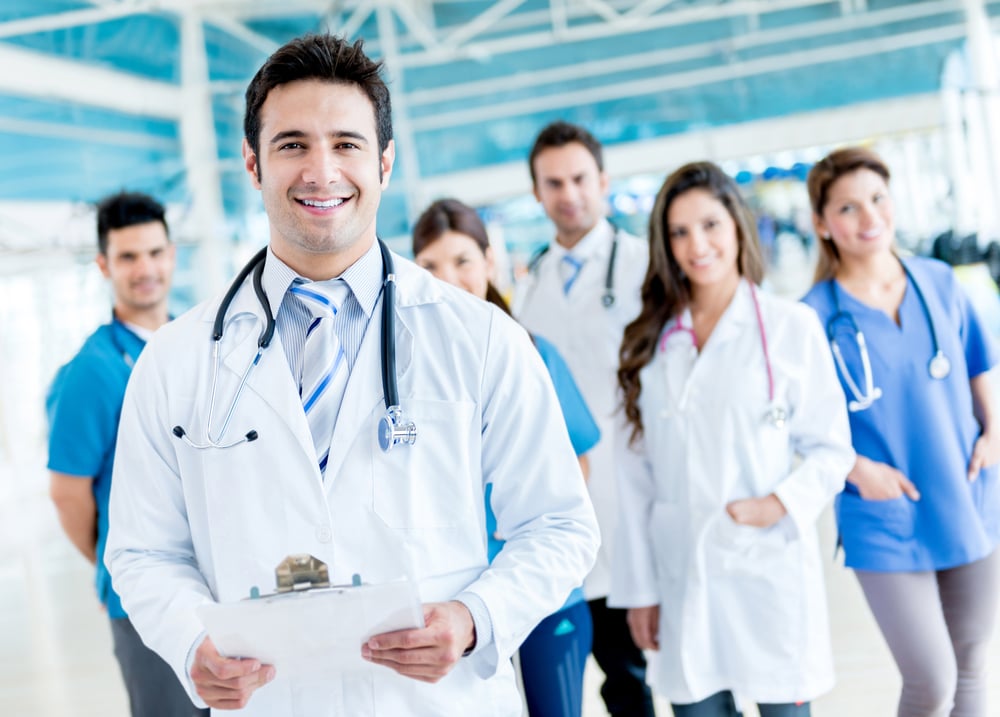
<point x="102" y="263"/>
<point x="250" y="164"/>
<point x="386" y="163"/>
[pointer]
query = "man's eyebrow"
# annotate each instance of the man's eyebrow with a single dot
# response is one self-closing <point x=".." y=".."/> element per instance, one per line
<point x="287" y="134"/>
<point x="348" y="134"/>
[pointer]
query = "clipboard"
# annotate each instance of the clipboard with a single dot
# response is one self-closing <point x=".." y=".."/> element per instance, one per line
<point x="307" y="627"/>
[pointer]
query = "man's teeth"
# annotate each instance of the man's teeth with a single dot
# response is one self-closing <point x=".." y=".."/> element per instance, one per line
<point x="329" y="203"/>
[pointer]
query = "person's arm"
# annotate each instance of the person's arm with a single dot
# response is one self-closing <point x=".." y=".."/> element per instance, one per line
<point x="986" y="451"/>
<point x="150" y="551"/>
<point x="73" y="497"/>
<point x="584" y="466"/>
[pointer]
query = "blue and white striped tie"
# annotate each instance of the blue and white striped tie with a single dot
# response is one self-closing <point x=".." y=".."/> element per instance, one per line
<point x="570" y="271"/>
<point x="324" y="364"/>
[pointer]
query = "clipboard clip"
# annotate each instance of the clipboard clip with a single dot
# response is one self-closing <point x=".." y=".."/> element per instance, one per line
<point x="299" y="573"/>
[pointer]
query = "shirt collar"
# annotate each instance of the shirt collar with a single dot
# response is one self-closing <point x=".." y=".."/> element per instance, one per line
<point x="594" y="244"/>
<point x="364" y="277"/>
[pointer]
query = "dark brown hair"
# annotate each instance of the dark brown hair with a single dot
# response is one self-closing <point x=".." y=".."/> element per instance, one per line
<point x="665" y="291"/>
<point x="319" y="57"/>
<point x="821" y="177"/>
<point x="559" y="134"/>
<point x="446" y="215"/>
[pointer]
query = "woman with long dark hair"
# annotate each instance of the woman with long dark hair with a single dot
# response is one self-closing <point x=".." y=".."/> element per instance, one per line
<point x="738" y="441"/>
<point x="919" y="517"/>
<point x="450" y="241"/>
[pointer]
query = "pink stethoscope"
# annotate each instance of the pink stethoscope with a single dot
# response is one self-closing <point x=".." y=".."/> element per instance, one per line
<point x="776" y="414"/>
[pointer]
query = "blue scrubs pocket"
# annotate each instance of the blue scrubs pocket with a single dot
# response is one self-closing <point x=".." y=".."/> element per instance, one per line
<point x="874" y="531"/>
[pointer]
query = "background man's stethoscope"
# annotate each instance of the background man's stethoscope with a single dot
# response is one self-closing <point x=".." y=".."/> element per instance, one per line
<point x="939" y="366"/>
<point x="393" y="428"/>
<point x="776" y="414"/>
<point x="608" y="297"/>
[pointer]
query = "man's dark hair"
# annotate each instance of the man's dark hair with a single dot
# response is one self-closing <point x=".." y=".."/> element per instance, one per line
<point x="318" y="57"/>
<point x="559" y="134"/>
<point x="126" y="209"/>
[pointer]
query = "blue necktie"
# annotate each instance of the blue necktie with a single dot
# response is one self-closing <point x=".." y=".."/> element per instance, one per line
<point x="570" y="268"/>
<point x="324" y="364"/>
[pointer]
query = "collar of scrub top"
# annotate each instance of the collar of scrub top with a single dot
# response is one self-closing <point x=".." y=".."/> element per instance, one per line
<point x="119" y="327"/>
<point x="734" y="315"/>
<point x="939" y="366"/>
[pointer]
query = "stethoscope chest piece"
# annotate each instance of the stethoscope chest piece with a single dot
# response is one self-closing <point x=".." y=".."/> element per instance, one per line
<point x="939" y="367"/>
<point x="394" y="428"/>
<point x="776" y="415"/>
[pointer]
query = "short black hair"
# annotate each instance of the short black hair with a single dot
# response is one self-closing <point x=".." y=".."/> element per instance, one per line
<point x="126" y="209"/>
<point x="559" y="134"/>
<point x="319" y="57"/>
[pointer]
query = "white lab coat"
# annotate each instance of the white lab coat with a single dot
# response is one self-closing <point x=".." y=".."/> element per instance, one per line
<point x="190" y="526"/>
<point x="741" y="608"/>
<point x="588" y="336"/>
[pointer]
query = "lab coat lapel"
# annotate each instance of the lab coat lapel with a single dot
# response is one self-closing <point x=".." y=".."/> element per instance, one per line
<point x="271" y="379"/>
<point x="364" y="388"/>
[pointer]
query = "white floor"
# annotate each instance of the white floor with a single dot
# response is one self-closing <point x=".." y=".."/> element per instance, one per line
<point x="55" y="649"/>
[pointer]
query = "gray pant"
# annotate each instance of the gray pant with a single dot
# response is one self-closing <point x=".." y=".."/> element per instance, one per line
<point x="153" y="688"/>
<point x="938" y="627"/>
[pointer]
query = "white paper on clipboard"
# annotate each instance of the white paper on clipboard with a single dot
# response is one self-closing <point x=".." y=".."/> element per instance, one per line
<point x="313" y="633"/>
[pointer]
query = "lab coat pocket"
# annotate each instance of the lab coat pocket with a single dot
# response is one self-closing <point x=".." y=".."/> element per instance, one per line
<point x="666" y="534"/>
<point x="733" y="549"/>
<point x="429" y="484"/>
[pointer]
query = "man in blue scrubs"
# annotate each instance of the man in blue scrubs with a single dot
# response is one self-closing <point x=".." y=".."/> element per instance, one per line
<point x="84" y="403"/>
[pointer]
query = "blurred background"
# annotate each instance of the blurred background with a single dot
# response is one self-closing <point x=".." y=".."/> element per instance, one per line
<point x="101" y="95"/>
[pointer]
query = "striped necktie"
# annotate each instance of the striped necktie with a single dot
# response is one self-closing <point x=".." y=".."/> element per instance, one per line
<point x="324" y="364"/>
<point x="570" y="269"/>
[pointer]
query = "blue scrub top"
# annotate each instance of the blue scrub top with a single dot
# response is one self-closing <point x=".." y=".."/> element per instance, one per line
<point x="84" y="406"/>
<point x="924" y="427"/>
<point x="583" y="432"/>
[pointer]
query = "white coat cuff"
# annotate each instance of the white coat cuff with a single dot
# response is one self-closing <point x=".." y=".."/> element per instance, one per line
<point x="480" y="620"/>
<point x="188" y="664"/>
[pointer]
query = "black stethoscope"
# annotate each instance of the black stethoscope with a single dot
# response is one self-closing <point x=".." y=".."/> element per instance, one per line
<point x="116" y="326"/>
<point x="939" y="366"/>
<point x="393" y="428"/>
<point x="608" y="297"/>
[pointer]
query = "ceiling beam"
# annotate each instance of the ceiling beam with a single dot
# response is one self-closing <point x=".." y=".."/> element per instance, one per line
<point x="73" y="18"/>
<point x="49" y="78"/>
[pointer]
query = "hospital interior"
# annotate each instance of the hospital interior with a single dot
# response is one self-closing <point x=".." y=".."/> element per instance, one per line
<point x="98" y="96"/>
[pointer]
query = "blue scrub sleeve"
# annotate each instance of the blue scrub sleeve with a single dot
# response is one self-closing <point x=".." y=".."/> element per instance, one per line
<point x="980" y="349"/>
<point x="83" y="410"/>
<point x="584" y="432"/>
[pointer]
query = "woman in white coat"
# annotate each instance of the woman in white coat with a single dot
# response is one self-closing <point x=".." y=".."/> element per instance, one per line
<point x="737" y="442"/>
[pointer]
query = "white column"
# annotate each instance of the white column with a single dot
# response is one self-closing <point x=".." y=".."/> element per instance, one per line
<point x="984" y="114"/>
<point x="406" y="142"/>
<point x="201" y="159"/>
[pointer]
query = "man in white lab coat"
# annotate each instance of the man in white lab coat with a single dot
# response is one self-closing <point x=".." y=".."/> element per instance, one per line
<point x="580" y="293"/>
<point x="204" y="505"/>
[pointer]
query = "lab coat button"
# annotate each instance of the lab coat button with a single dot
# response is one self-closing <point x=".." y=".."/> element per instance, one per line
<point x="324" y="534"/>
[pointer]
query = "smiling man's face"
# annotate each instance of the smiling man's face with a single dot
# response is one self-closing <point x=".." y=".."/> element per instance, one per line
<point x="320" y="174"/>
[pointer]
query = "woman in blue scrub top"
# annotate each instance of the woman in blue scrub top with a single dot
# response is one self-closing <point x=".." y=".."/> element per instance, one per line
<point x="450" y="241"/>
<point x="920" y="515"/>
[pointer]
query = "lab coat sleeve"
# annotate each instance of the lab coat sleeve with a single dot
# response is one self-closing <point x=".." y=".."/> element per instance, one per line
<point x="633" y="570"/>
<point x="539" y="496"/>
<point x="149" y="552"/>
<point x="818" y="426"/>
